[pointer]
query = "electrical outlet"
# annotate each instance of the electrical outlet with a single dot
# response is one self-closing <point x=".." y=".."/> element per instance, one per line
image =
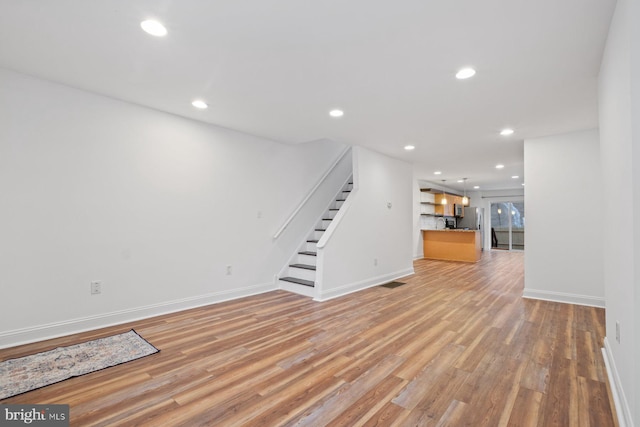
<point x="229" y="270"/>
<point x="96" y="287"/>
<point x="618" y="331"/>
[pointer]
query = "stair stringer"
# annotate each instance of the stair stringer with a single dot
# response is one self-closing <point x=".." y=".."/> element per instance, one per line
<point x="327" y="235"/>
<point x="347" y="186"/>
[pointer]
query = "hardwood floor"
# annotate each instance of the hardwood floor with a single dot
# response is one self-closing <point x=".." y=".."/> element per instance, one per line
<point x="455" y="346"/>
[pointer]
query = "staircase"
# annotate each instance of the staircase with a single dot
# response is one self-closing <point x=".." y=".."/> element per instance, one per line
<point x="300" y="275"/>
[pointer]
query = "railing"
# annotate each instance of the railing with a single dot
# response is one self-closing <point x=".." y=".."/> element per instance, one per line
<point x="313" y="190"/>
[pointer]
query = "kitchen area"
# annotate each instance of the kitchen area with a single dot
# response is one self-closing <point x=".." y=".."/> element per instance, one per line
<point x="451" y="228"/>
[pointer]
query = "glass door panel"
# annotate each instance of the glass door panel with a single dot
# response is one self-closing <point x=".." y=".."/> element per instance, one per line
<point x="507" y="225"/>
<point x="517" y="225"/>
<point x="499" y="226"/>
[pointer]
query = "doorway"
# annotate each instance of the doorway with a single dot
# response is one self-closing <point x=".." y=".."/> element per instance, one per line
<point x="507" y="225"/>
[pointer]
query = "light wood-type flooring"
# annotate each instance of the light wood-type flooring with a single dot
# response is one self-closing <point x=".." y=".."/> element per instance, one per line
<point x="456" y="346"/>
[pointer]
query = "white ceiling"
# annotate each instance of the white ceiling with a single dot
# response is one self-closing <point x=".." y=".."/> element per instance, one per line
<point x="275" y="68"/>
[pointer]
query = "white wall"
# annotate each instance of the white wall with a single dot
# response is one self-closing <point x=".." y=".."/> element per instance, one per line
<point x="634" y="334"/>
<point x="369" y="230"/>
<point x="563" y="200"/>
<point x="619" y="105"/>
<point x="418" y="220"/>
<point x="154" y="205"/>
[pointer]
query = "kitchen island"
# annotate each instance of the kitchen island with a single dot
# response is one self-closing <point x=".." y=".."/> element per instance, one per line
<point x="452" y="245"/>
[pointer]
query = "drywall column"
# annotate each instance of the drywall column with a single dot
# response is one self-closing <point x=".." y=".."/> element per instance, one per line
<point x="619" y="109"/>
<point x="634" y="17"/>
<point x="563" y="199"/>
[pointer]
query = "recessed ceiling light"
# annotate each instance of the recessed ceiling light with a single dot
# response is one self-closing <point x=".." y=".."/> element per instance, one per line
<point x="465" y="73"/>
<point x="499" y="166"/>
<point x="515" y="177"/>
<point x="154" y="28"/>
<point x="523" y="184"/>
<point x="506" y="132"/>
<point x="199" y="104"/>
<point x="437" y="173"/>
<point x="409" y="147"/>
<point x="336" y="113"/>
<point x="461" y="180"/>
<point x="476" y="187"/>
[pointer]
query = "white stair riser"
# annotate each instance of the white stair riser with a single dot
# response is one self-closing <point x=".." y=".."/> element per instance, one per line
<point x="306" y="259"/>
<point x="317" y="235"/>
<point x="298" y="289"/>
<point x="325" y="224"/>
<point x="331" y="214"/>
<point x="302" y="273"/>
<point x="337" y="204"/>
<point x="311" y="247"/>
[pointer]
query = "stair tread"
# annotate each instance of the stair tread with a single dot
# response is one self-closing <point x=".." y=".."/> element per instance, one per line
<point x="299" y="281"/>
<point x="341" y="200"/>
<point x="321" y="229"/>
<point x="312" y="241"/>
<point x="334" y="209"/>
<point x="327" y="219"/>
<point x="303" y="266"/>
<point x="310" y="253"/>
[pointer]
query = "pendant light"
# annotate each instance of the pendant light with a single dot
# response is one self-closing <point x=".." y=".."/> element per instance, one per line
<point x="465" y="199"/>
<point x="444" y="196"/>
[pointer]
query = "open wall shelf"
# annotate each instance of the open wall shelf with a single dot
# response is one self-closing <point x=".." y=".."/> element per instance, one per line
<point x="436" y="191"/>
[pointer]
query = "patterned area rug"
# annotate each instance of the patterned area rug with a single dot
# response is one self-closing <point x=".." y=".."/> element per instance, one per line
<point x="38" y="370"/>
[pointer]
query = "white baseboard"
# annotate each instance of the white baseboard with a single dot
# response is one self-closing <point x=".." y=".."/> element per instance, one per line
<point x="364" y="284"/>
<point x="619" y="398"/>
<point x="564" y="297"/>
<point x="72" y="326"/>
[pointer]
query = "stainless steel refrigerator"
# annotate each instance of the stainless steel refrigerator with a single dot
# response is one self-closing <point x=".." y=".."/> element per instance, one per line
<point x="472" y="220"/>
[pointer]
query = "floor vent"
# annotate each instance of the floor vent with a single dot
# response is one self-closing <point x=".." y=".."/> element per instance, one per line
<point x="393" y="284"/>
